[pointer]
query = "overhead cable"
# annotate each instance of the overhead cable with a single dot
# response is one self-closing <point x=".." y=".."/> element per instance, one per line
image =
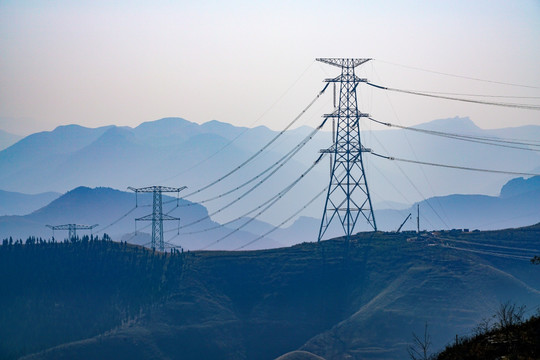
<point x="243" y="131"/>
<point x="285" y="221"/>
<point x="420" y="93"/>
<point x="259" y="183"/>
<point x="263" y="148"/>
<point x="459" y="76"/>
<point x="283" y="160"/>
<point x="501" y="142"/>
<point x="115" y="221"/>
<point x="276" y="199"/>
<point x="455" y="166"/>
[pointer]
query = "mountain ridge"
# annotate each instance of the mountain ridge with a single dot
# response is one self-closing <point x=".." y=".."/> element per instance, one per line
<point x="163" y="152"/>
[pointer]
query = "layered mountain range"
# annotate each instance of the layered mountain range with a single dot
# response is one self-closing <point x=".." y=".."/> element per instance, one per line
<point x="176" y="152"/>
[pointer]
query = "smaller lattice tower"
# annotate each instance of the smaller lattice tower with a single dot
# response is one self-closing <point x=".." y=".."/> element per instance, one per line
<point x="71" y="228"/>
<point x="157" y="217"/>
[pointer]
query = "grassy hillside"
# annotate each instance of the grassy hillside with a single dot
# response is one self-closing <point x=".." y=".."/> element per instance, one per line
<point x="362" y="301"/>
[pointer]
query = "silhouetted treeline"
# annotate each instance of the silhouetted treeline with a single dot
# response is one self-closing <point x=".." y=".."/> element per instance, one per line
<point x="519" y="340"/>
<point x="54" y="292"/>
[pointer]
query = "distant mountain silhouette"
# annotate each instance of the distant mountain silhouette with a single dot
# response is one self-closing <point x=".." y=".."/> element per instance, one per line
<point x="8" y="139"/>
<point x="13" y="203"/>
<point x="115" y="212"/>
<point x="176" y="152"/>
<point x="516" y="206"/>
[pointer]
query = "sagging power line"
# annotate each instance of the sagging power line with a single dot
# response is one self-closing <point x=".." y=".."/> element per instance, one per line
<point x="427" y="94"/>
<point x="502" y="142"/>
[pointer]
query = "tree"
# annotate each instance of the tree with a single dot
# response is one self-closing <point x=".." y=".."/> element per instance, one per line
<point x="419" y="350"/>
<point x="509" y="314"/>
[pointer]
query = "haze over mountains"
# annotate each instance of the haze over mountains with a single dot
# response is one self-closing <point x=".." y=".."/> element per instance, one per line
<point x="176" y="152"/>
<point x="7" y="139"/>
<point x="13" y="203"/>
<point x="104" y="206"/>
<point x="363" y="302"/>
<point x="115" y="211"/>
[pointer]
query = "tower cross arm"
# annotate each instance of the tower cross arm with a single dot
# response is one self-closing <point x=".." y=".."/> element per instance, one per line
<point x="71" y="226"/>
<point x="343" y="62"/>
<point x="157" y="188"/>
<point x="348" y="78"/>
<point x="151" y="217"/>
<point x="343" y="114"/>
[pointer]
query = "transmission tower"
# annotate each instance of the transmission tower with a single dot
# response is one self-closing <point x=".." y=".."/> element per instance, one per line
<point x="157" y="215"/>
<point x="348" y="194"/>
<point x="71" y="228"/>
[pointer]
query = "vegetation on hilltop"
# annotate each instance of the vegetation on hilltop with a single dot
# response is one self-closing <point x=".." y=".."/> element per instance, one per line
<point x="57" y="292"/>
<point x="509" y="336"/>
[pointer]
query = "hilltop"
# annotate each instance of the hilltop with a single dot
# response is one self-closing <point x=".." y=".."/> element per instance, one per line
<point x="322" y="299"/>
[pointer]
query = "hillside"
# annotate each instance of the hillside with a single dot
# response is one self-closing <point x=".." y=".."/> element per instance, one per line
<point x="317" y="298"/>
<point x="60" y="292"/>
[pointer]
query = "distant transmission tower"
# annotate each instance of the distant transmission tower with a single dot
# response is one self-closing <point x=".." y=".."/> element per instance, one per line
<point x="71" y="228"/>
<point x="348" y="194"/>
<point x="157" y="215"/>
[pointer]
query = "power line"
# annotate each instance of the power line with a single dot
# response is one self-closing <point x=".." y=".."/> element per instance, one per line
<point x="245" y="130"/>
<point x="282" y="161"/>
<point x="421" y="170"/>
<point x="529" y="142"/>
<point x="416" y="187"/>
<point x="455" y="166"/>
<point x="488" y="245"/>
<point x="509" y="256"/>
<point x="459" y="76"/>
<point x="245" y="193"/>
<point x="483" y="95"/>
<point x="474" y="139"/>
<point x="117" y="220"/>
<point x="420" y="93"/>
<point x="276" y="199"/>
<point x="285" y="221"/>
<point x="263" y="148"/>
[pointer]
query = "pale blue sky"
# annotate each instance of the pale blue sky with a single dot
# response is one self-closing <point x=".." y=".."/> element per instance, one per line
<point x="95" y="63"/>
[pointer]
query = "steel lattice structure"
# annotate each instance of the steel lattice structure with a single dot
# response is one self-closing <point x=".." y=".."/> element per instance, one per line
<point x="157" y="217"/>
<point x="71" y="228"/>
<point x="348" y="194"/>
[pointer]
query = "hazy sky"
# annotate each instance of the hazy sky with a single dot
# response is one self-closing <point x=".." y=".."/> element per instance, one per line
<point x="252" y="62"/>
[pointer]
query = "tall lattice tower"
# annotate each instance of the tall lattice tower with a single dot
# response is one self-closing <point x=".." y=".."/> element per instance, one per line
<point x="348" y="194"/>
<point x="157" y="215"/>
